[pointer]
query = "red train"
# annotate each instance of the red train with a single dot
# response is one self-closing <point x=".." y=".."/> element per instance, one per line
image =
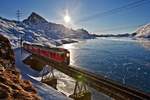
<point x="59" y="55"/>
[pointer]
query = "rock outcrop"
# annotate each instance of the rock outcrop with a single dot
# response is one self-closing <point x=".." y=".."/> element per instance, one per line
<point x="12" y="87"/>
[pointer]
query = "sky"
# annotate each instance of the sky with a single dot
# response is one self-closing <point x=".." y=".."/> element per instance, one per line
<point x="84" y="13"/>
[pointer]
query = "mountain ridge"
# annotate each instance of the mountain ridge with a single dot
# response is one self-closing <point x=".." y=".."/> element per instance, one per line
<point x="36" y="29"/>
<point x="38" y="22"/>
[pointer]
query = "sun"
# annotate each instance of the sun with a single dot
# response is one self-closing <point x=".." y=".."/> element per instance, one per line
<point x="67" y="18"/>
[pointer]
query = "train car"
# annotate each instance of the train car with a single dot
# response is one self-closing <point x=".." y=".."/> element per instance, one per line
<point x="59" y="55"/>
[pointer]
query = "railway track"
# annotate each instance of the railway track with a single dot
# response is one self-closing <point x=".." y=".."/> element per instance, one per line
<point x="100" y="83"/>
<point x="112" y="88"/>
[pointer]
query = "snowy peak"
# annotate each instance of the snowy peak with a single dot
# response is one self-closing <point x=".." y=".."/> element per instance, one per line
<point x="144" y="31"/>
<point x="53" y="30"/>
<point x="34" y="18"/>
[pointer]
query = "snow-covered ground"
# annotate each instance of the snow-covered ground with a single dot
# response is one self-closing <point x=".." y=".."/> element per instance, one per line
<point x="45" y="91"/>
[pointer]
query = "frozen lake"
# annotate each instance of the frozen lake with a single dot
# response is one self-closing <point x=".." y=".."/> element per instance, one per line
<point x="121" y="59"/>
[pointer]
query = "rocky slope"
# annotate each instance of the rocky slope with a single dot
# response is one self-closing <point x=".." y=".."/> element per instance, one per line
<point x="12" y="87"/>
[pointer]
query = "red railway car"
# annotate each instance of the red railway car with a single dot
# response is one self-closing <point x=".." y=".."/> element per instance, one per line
<point x="59" y="55"/>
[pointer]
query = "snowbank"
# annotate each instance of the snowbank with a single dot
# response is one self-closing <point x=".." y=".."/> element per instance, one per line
<point x="45" y="91"/>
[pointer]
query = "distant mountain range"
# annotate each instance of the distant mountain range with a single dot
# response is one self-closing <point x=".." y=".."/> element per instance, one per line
<point x="36" y="29"/>
<point x="141" y="32"/>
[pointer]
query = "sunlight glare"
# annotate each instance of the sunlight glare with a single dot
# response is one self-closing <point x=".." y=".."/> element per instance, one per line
<point x="67" y="19"/>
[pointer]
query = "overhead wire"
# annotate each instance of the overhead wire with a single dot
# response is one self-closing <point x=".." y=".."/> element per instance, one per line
<point x="114" y="10"/>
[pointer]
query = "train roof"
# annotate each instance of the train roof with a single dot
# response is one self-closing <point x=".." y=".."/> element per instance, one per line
<point x="59" y="50"/>
<point x="53" y="49"/>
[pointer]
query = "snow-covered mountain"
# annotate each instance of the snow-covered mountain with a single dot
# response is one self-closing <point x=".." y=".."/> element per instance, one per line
<point x="143" y="32"/>
<point x="36" y="29"/>
<point x="53" y="30"/>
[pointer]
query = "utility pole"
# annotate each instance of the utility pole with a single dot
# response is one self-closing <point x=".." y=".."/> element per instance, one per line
<point x="18" y="14"/>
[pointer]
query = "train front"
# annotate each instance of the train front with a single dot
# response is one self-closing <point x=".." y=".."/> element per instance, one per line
<point x="67" y="59"/>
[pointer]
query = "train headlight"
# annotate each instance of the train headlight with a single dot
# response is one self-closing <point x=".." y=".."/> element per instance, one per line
<point x="68" y="55"/>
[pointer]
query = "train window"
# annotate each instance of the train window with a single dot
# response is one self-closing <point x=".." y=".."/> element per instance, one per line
<point x="54" y="54"/>
<point x="46" y="53"/>
<point x="62" y="55"/>
<point x="50" y="54"/>
<point x="57" y="55"/>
